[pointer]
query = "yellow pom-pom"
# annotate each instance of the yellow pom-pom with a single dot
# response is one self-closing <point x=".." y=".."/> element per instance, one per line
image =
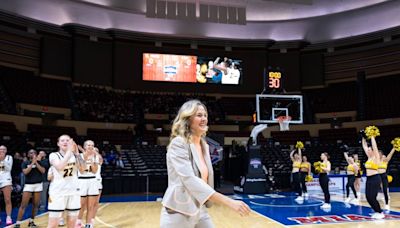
<point x="317" y="166"/>
<point x="372" y="131"/>
<point x="299" y="145"/>
<point x="390" y="178"/>
<point x="309" y="178"/>
<point x="396" y="144"/>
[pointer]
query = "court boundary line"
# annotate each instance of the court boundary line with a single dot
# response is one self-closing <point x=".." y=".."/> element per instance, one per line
<point x="299" y="205"/>
<point x="269" y="218"/>
<point x="101" y="221"/>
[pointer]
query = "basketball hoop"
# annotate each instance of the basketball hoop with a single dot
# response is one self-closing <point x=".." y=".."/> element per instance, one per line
<point x="284" y="122"/>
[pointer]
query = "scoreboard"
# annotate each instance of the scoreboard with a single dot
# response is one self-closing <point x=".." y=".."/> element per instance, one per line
<point x="274" y="80"/>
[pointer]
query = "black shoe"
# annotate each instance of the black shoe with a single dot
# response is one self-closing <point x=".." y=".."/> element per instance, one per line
<point x="32" y="225"/>
<point x="17" y="226"/>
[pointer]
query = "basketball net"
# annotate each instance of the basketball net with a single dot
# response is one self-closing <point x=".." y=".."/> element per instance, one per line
<point x="284" y="122"/>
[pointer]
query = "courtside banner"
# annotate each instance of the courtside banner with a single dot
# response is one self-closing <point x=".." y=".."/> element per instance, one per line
<point x="335" y="184"/>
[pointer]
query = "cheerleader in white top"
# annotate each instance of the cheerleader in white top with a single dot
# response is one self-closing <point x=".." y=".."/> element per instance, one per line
<point x="6" y="162"/>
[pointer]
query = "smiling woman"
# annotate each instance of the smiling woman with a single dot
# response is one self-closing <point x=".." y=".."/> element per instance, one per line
<point x="190" y="174"/>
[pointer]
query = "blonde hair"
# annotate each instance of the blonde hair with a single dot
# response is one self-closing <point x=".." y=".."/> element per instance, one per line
<point x="181" y="124"/>
<point x="87" y="141"/>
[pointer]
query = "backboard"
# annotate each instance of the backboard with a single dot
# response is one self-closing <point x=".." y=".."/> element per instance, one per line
<point x="271" y="106"/>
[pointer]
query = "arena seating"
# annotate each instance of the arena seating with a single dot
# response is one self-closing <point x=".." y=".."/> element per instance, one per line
<point x="230" y="105"/>
<point x="145" y="169"/>
<point x="6" y="104"/>
<point x="24" y="87"/>
<point x="115" y="137"/>
<point x="290" y="137"/>
<point x="382" y="97"/>
<point x="100" y="104"/>
<point x="40" y="132"/>
<point x="95" y="103"/>
<point x="334" y="98"/>
<point x="346" y="135"/>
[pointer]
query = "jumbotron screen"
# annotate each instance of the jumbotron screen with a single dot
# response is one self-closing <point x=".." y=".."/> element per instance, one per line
<point x="190" y="68"/>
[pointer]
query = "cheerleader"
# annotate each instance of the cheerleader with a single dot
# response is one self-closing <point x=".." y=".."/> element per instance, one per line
<point x="357" y="182"/>
<point x="305" y="169"/>
<point x="352" y="169"/>
<point x="373" y="179"/>
<point x="296" y="159"/>
<point x="382" y="170"/>
<point x="324" y="179"/>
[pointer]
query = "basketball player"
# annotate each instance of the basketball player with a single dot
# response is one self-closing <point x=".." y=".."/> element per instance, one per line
<point x="305" y="169"/>
<point x="352" y="169"/>
<point x="324" y="180"/>
<point x="373" y="178"/>
<point x="382" y="168"/>
<point x="296" y="159"/>
<point x="33" y="170"/>
<point x="6" y="162"/>
<point x="99" y="180"/>
<point x="64" y="189"/>
<point x="88" y="184"/>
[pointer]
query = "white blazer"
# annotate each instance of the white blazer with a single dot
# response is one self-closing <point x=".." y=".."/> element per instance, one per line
<point x="187" y="192"/>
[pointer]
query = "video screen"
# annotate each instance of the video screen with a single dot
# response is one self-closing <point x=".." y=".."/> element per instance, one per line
<point x="170" y="68"/>
<point x="219" y="70"/>
<point x="194" y="69"/>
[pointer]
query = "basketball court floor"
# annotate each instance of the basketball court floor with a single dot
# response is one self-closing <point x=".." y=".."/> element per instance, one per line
<point x="269" y="210"/>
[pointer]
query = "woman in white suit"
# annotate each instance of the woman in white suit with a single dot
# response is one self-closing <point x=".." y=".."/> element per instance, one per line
<point x="190" y="174"/>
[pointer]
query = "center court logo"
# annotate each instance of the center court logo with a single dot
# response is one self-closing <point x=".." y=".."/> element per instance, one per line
<point x="337" y="218"/>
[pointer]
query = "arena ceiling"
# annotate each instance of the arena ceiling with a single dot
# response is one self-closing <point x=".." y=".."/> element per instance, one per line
<point x="280" y="20"/>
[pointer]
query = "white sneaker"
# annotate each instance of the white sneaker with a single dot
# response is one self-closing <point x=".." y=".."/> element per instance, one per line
<point x="326" y="206"/>
<point x="299" y="198"/>
<point x="387" y="207"/>
<point x="355" y="201"/>
<point x="348" y="199"/>
<point x="378" y="215"/>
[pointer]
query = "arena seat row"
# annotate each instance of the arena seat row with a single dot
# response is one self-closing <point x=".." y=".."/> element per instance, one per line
<point x="94" y="103"/>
